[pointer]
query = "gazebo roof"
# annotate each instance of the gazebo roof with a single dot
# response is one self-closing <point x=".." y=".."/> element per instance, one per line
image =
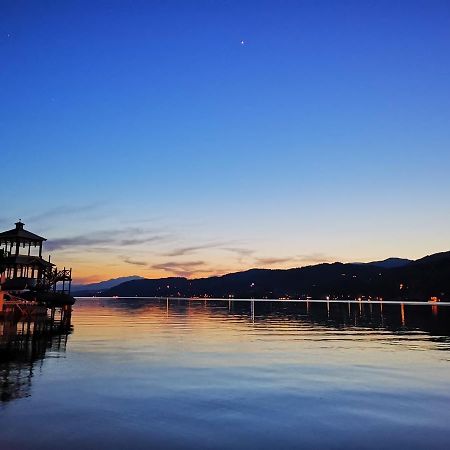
<point x="26" y="261"/>
<point x="19" y="234"/>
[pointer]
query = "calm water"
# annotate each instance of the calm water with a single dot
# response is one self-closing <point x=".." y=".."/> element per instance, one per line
<point x="137" y="373"/>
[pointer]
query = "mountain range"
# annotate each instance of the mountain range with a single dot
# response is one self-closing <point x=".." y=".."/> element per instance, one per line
<point x="102" y="285"/>
<point x="391" y="279"/>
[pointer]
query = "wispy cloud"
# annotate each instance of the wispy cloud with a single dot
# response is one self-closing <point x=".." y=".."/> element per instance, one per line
<point x="75" y="241"/>
<point x="241" y="253"/>
<point x="309" y="258"/>
<point x="142" y="240"/>
<point x="133" y="261"/>
<point x="112" y="238"/>
<point x="193" y="248"/>
<point x="182" y="268"/>
<point x="61" y="211"/>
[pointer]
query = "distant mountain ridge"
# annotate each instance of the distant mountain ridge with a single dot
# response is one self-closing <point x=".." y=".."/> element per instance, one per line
<point x="390" y="263"/>
<point x="394" y="279"/>
<point x="102" y="285"/>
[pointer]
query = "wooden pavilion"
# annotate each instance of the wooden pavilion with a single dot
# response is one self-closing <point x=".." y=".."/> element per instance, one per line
<point x="22" y="267"/>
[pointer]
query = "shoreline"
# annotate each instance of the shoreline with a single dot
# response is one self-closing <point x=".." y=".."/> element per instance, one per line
<point x="268" y="300"/>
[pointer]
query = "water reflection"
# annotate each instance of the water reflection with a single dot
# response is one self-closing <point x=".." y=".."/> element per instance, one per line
<point x="24" y="344"/>
<point x="395" y="317"/>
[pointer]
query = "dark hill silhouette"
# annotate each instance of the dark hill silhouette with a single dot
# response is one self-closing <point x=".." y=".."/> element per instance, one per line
<point x="414" y="280"/>
<point x="391" y="263"/>
<point x="427" y="277"/>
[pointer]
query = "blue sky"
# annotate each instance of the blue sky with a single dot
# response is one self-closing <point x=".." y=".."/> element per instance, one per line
<point x="325" y="136"/>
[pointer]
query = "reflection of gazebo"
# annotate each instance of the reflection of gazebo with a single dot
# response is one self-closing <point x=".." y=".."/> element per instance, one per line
<point x="23" y="345"/>
<point x="21" y="263"/>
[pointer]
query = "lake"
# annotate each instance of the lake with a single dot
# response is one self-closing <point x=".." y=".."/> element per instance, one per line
<point x="157" y="373"/>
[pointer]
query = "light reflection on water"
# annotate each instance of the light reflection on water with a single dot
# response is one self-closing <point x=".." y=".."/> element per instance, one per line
<point x="141" y="373"/>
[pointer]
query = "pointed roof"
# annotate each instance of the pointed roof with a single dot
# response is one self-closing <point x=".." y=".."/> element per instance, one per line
<point x="19" y="234"/>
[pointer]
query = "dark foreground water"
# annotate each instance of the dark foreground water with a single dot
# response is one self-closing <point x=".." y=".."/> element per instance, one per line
<point x="147" y="374"/>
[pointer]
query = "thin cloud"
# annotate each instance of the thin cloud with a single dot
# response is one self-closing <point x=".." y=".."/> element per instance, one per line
<point x="75" y="241"/>
<point x="134" y="262"/>
<point x="63" y="211"/>
<point x="309" y="258"/>
<point x="181" y="251"/>
<point x="142" y="240"/>
<point x="112" y="238"/>
<point x="182" y="268"/>
<point x="242" y="252"/>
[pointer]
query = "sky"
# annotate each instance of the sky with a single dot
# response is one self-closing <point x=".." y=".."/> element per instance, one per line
<point x="196" y="138"/>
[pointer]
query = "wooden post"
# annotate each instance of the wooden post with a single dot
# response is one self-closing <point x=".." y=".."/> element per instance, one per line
<point x="17" y="242"/>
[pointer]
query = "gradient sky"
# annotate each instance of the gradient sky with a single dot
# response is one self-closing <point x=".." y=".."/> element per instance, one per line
<point x="142" y="137"/>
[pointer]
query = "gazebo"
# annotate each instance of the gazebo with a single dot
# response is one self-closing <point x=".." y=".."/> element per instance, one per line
<point x="21" y="263"/>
